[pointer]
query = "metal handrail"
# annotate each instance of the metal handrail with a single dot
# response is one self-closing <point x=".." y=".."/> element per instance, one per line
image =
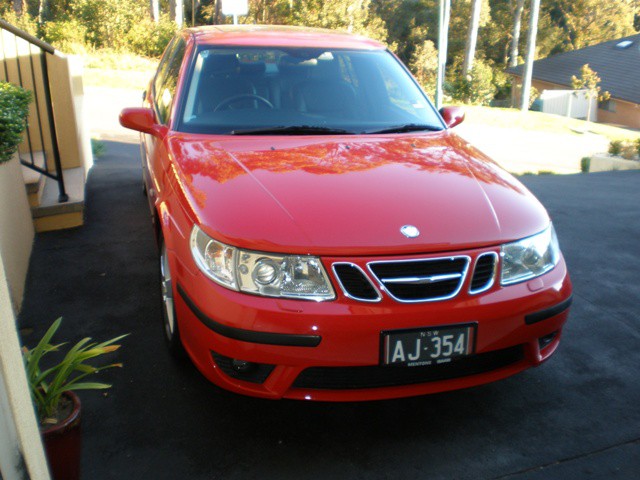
<point x="45" y="49"/>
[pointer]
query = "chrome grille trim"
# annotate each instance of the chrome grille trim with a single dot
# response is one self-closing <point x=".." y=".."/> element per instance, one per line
<point x="493" y="275"/>
<point x="364" y="274"/>
<point x="413" y="280"/>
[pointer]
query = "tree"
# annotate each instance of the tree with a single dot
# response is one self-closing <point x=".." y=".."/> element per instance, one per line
<point x="472" y="37"/>
<point x="424" y="65"/>
<point x="587" y="22"/>
<point x="19" y="6"/>
<point x="531" y="53"/>
<point x="515" y="33"/>
<point x="154" y="10"/>
<point x="589" y="84"/>
<point x="176" y="9"/>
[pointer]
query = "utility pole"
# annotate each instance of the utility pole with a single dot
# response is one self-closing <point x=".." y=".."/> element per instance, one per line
<point x="531" y="52"/>
<point x="443" y="33"/>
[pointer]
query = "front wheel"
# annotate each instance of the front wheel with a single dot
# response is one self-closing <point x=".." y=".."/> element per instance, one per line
<point x="171" y="331"/>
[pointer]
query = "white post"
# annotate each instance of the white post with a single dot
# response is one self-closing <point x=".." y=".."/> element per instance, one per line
<point x="235" y="19"/>
<point x="443" y="32"/>
<point x="531" y="52"/>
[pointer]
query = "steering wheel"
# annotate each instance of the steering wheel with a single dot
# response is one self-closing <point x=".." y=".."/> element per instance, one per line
<point x="242" y="96"/>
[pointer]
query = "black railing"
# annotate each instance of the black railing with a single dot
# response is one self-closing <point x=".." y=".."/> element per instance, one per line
<point x="45" y="49"/>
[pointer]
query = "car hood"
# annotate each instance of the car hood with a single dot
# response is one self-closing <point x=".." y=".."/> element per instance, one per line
<point x="350" y="194"/>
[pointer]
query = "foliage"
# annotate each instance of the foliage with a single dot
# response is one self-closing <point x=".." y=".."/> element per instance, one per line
<point x="615" y="147"/>
<point x="98" y="148"/>
<point x="47" y="386"/>
<point x="424" y="65"/>
<point x="354" y="16"/>
<point x="628" y="150"/>
<point x="589" y="83"/>
<point x="108" y="21"/>
<point x="405" y="25"/>
<point x="14" y="108"/>
<point x="68" y="36"/>
<point x="149" y="38"/>
<point x="477" y="88"/>
<point x="638" y="147"/>
<point x="585" y="164"/>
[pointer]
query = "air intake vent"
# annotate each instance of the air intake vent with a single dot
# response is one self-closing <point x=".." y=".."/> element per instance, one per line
<point x="346" y="378"/>
<point x="355" y="284"/>
<point x="484" y="272"/>
<point x="422" y="280"/>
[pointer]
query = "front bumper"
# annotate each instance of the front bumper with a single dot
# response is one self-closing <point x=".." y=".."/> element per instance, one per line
<point x="519" y="326"/>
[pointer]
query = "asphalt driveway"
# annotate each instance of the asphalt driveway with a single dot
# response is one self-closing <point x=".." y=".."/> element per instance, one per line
<point x="575" y="417"/>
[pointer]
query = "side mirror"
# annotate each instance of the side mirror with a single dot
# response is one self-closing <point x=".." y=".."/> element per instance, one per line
<point x="141" y="119"/>
<point x="452" y="116"/>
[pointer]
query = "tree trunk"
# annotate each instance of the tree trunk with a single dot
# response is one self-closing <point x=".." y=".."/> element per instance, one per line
<point x="176" y="10"/>
<point x="515" y="33"/>
<point x="41" y="9"/>
<point x="154" y="10"/>
<point x="18" y="6"/>
<point x="525" y="94"/>
<point x="472" y="37"/>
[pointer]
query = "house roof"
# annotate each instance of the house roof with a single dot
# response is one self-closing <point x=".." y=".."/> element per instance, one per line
<point x="616" y="61"/>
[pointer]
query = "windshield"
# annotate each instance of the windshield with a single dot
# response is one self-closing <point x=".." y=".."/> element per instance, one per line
<point x="289" y="91"/>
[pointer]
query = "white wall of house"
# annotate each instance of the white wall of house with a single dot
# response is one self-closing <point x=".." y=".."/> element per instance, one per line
<point x="21" y="453"/>
<point x="16" y="228"/>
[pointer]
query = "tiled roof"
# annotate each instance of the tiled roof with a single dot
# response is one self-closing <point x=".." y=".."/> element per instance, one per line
<point x="618" y="67"/>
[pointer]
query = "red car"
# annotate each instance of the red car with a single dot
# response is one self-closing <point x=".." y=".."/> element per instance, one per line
<point x="323" y="233"/>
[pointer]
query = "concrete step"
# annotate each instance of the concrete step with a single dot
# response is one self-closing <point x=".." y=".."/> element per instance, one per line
<point x="50" y="214"/>
<point x="33" y="180"/>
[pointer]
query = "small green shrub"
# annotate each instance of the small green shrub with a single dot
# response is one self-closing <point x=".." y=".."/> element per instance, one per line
<point x="477" y="88"/>
<point x="97" y="148"/>
<point x="615" y="147"/>
<point x="148" y="38"/>
<point x="68" y="36"/>
<point x="14" y="108"/>
<point x="628" y="151"/>
<point x="585" y="164"/>
<point x="638" y="147"/>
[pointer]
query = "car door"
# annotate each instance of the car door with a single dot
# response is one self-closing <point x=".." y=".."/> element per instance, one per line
<point x="163" y="93"/>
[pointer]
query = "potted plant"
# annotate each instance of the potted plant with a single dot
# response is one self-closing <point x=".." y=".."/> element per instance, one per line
<point x="14" y="107"/>
<point x="52" y="387"/>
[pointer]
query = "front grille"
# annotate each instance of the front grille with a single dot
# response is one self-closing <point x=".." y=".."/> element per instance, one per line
<point x="348" y="378"/>
<point x="484" y="272"/>
<point x="422" y="280"/>
<point x="258" y="372"/>
<point x="355" y="283"/>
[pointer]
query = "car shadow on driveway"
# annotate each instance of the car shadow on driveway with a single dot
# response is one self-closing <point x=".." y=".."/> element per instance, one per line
<point x="163" y="420"/>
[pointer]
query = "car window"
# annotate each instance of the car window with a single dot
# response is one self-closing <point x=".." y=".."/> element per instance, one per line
<point x="162" y="67"/>
<point x="167" y="79"/>
<point x="238" y="89"/>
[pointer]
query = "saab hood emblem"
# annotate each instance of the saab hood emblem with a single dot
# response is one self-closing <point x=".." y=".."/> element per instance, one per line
<point x="409" y="231"/>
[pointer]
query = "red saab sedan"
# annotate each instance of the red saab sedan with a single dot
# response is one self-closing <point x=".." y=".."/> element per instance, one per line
<point x="323" y="233"/>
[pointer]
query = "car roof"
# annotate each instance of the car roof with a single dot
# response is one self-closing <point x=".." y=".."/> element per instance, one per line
<point x="280" y="36"/>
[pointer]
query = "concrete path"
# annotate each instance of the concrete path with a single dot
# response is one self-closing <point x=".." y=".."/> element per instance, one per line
<point x="576" y="417"/>
<point x="518" y="150"/>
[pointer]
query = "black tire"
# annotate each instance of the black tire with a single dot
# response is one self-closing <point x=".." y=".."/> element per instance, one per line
<point x="169" y="316"/>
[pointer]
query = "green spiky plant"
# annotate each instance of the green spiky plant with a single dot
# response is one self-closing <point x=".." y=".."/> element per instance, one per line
<point x="47" y="386"/>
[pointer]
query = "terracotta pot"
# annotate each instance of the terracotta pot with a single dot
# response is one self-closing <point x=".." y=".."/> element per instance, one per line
<point x="62" y="444"/>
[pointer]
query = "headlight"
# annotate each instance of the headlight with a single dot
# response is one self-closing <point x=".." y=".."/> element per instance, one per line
<point x="268" y="274"/>
<point x="530" y="257"/>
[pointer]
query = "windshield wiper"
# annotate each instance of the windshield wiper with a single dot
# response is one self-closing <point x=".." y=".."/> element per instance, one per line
<point x="407" y="127"/>
<point x="292" y="130"/>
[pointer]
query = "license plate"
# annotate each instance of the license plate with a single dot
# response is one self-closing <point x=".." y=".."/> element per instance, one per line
<point x="427" y="346"/>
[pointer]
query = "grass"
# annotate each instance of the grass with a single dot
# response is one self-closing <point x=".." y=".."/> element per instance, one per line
<point x="513" y="118"/>
<point x="108" y="68"/>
